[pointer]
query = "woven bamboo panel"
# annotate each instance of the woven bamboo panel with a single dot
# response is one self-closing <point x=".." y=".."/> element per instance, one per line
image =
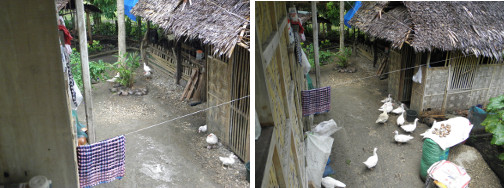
<point x="239" y="123"/>
<point x="218" y="92"/>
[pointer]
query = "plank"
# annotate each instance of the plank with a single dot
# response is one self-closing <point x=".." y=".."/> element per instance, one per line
<point x="194" y="83"/>
<point x="188" y="85"/>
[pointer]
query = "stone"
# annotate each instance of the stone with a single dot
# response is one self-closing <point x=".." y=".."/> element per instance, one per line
<point x="469" y="158"/>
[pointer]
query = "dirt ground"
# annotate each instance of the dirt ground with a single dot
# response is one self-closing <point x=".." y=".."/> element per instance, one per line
<point x="172" y="154"/>
<point x="355" y="108"/>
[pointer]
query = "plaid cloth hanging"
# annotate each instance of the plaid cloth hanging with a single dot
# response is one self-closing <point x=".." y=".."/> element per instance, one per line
<point x="101" y="162"/>
<point x="316" y="101"/>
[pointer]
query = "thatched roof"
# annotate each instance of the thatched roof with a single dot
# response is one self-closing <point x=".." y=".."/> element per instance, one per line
<point x="471" y="27"/>
<point x="221" y="23"/>
<point x="60" y="4"/>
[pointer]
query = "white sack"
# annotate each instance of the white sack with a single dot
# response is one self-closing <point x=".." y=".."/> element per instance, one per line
<point x="326" y="128"/>
<point x="318" y="149"/>
<point x="460" y="129"/>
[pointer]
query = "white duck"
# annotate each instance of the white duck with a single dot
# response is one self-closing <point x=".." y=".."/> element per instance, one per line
<point x="147" y="71"/>
<point x="387" y="99"/>
<point x="202" y="129"/>
<point x="211" y="140"/>
<point x="400" y="119"/>
<point x="228" y="161"/>
<point x="382" y="118"/>
<point x="373" y="160"/>
<point x="114" y="79"/>
<point x="399" y="110"/>
<point x="410" y="127"/>
<point x="401" y="138"/>
<point x="329" y="182"/>
<point x="387" y="107"/>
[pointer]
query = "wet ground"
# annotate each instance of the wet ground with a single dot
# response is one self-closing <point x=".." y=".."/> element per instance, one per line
<point x="355" y="100"/>
<point x="172" y="154"/>
<point x="355" y="108"/>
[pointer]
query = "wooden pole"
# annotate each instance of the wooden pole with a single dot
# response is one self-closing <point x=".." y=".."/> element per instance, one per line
<point x="121" y="30"/>
<point x="85" y="70"/>
<point x="315" y="42"/>
<point x="178" y="55"/>
<point x="342" y="25"/>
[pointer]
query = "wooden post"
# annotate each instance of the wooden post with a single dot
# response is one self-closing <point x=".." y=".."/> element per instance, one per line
<point x="342" y="25"/>
<point x="375" y="53"/>
<point x="315" y="42"/>
<point x="85" y="70"/>
<point x="178" y="55"/>
<point x="121" y="30"/>
<point x="316" y="50"/>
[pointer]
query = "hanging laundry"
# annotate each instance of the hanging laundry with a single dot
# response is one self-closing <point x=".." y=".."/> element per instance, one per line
<point x="316" y="101"/>
<point x="73" y="90"/>
<point x="101" y="162"/>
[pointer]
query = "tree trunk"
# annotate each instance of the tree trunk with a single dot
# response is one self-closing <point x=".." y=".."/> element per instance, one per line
<point x="121" y="30"/>
<point x="139" y="29"/>
<point x="342" y="26"/>
<point x="315" y="42"/>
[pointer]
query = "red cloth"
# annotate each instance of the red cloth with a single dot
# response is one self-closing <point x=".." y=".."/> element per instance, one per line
<point x="301" y="29"/>
<point x="68" y="37"/>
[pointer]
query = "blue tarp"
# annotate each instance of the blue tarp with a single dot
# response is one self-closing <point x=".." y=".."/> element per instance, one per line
<point x="351" y="13"/>
<point x="128" y="5"/>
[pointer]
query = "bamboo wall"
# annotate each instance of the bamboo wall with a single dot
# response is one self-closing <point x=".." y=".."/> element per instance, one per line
<point x="228" y="79"/>
<point x="164" y="60"/>
<point x="279" y="73"/>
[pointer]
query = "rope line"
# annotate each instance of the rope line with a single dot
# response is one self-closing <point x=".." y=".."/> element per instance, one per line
<point x="431" y="63"/>
<point x="151" y="126"/>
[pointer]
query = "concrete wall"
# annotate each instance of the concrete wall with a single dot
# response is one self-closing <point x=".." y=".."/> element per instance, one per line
<point x="36" y="136"/>
<point x="488" y="83"/>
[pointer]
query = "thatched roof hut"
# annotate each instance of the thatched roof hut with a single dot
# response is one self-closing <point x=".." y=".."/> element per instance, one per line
<point x="221" y="23"/>
<point x="472" y="27"/>
<point x="60" y="4"/>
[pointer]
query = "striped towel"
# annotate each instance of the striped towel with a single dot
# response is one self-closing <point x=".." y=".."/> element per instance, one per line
<point x="101" y="162"/>
<point x="315" y="101"/>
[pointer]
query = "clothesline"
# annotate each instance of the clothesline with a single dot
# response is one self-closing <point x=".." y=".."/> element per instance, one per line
<point x="179" y="117"/>
<point x="431" y="63"/>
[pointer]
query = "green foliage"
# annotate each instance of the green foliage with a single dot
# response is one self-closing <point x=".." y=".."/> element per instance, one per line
<point x="68" y="24"/>
<point x="105" y="28"/>
<point x="324" y="56"/>
<point x="95" y="47"/>
<point x="343" y="56"/>
<point x="108" y="7"/>
<point x="127" y="69"/>
<point x="494" y="123"/>
<point x="325" y="43"/>
<point x="75" y="67"/>
<point x="96" y="69"/>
